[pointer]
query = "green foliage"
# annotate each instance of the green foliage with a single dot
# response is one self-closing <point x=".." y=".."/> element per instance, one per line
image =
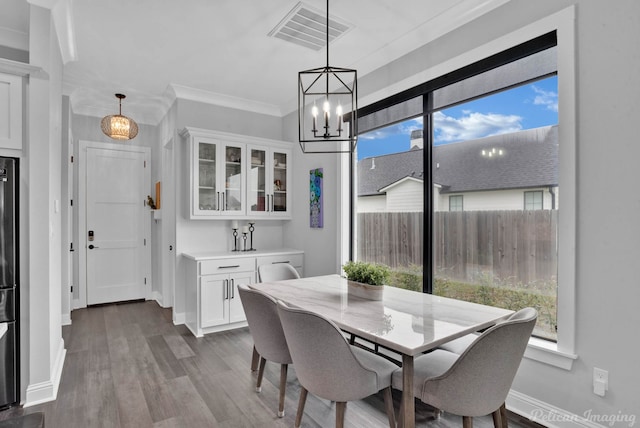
<point x="492" y="292"/>
<point x="514" y="298"/>
<point x="367" y="273"/>
<point x="409" y="278"/>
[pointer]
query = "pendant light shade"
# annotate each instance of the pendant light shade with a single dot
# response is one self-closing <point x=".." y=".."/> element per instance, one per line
<point x="327" y="108"/>
<point x="119" y="127"/>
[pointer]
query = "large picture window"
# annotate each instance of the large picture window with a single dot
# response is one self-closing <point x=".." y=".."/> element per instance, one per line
<point x="488" y="135"/>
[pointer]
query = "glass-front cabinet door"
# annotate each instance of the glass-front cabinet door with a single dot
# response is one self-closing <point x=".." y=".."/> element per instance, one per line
<point x="258" y="197"/>
<point x="233" y="195"/>
<point x="207" y="198"/>
<point x="280" y="165"/>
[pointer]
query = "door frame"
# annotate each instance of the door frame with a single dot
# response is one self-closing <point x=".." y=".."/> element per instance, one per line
<point x="81" y="302"/>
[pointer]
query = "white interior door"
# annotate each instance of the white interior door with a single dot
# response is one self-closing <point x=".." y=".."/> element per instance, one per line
<point x="115" y="228"/>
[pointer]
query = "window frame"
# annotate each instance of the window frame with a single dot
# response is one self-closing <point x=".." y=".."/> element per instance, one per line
<point x="561" y="353"/>
<point x="533" y="193"/>
<point x="457" y="198"/>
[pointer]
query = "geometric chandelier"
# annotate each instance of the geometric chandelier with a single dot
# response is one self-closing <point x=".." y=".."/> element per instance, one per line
<point x="324" y="95"/>
<point x="119" y="127"/>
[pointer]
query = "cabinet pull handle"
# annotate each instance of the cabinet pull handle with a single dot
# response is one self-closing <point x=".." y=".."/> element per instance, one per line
<point x="228" y="267"/>
<point x="233" y="289"/>
<point x="275" y="263"/>
<point x="272" y="203"/>
<point x="225" y="289"/>
<point x="218" y="196"/>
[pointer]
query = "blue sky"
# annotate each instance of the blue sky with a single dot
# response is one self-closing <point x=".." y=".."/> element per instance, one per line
<point x="525" y="107"/>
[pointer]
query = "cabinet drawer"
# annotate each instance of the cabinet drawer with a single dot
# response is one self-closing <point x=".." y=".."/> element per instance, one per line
<point x="240" y="264"/>
<point x="294" y="260"/>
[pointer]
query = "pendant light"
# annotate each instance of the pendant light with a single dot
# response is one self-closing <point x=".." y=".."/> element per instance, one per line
<point x="119" y="127"/>
<point x="327" y="108"/>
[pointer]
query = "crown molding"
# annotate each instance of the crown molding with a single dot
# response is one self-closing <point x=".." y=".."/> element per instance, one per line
<point x="61" y="12"/>
<point x="20" y="68"/>
<point x="206" y="97"/>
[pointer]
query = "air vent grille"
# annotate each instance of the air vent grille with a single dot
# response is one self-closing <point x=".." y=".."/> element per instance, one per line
<point x="306" y="26"/>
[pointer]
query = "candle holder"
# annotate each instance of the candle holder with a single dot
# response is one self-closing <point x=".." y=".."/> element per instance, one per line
<point x="251" y="229"/>
<point x="235" y="240"/>
<point x="244" y="241"/>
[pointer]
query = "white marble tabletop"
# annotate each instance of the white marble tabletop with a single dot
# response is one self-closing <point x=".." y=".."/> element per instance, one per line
<point x="405" y="321"/>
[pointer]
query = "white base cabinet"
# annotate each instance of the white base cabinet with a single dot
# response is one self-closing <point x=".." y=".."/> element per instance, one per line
<point x="211" y="294"/>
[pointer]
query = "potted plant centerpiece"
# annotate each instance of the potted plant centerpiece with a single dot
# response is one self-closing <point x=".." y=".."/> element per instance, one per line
<point x="366" y="280"/>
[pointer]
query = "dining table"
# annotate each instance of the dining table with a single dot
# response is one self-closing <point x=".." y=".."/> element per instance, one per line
<point x="406" y="322"/>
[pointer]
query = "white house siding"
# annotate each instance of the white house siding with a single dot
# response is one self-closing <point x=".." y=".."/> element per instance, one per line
<point x="370" y="204"/>
<point x="493" y="200"/>
<point x="406" y="196"/>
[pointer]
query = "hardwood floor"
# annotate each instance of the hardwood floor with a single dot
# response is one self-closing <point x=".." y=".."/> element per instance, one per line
<point x="127" y="365"/>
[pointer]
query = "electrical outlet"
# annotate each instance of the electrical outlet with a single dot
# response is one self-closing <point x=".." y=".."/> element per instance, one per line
<point x="600" y="381"/>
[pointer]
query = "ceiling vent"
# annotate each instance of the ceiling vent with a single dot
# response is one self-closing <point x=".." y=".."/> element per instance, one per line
<point x="306" y="26"/>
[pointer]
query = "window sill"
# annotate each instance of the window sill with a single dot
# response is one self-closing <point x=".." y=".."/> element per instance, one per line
<point x="547" y="352"/>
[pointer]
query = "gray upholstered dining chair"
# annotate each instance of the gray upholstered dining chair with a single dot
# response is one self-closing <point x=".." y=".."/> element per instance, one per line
<point x="477" y="381"/>
<point x="277" y="272"/>
<point x="269" y="273"/>
<point x="330" y="368"/>
<point x="268" y="337"/>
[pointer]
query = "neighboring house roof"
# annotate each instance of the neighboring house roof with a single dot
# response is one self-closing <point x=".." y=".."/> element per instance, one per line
<point x="379" y="172"/>
<point x="529" y="159"/>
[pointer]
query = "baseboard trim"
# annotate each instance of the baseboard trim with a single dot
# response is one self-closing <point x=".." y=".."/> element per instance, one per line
<point x="547" y="414"/>
<point x="43" y="392"/>
<point x="157" y="296"/>
<point x="66" y="319"/>
<point x="179" y="318"/>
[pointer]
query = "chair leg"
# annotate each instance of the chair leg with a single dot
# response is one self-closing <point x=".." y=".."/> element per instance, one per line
<point x="503" y="415"/>
<point x="260" y="374"/>
<point x="467" y="422"/>
<point x="497" y="419"/>
<point x="255" y="358"/>
<point x="401" y="416"/>
<point x="388" y="404"/>
<point x="341" y="409"/>
<point x="301" y="403"/>
<point x="283" y="386"/>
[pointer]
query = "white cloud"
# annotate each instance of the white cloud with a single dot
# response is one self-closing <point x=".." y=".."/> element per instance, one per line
<point x="402" y="128"/>
<point x="549" y="99"/>
<point x="473" y="125"/>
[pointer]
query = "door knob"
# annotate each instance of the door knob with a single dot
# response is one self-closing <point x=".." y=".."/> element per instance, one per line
<point x="91" y="247"/>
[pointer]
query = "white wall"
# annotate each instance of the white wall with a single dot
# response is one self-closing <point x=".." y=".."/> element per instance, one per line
<point x="322" y="248"/>
<point x="43" y="353"/>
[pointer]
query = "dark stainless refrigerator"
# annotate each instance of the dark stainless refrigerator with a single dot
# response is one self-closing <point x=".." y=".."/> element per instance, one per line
<point x="8" y="283"/>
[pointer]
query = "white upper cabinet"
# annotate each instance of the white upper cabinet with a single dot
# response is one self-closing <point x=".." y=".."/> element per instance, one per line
<point x="10" y="111"/>
<point x="217" y="178"/>
<point x="238" y="177"/>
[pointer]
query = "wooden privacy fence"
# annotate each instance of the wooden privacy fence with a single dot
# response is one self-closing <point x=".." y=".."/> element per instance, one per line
<point x="514" y="245"/>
